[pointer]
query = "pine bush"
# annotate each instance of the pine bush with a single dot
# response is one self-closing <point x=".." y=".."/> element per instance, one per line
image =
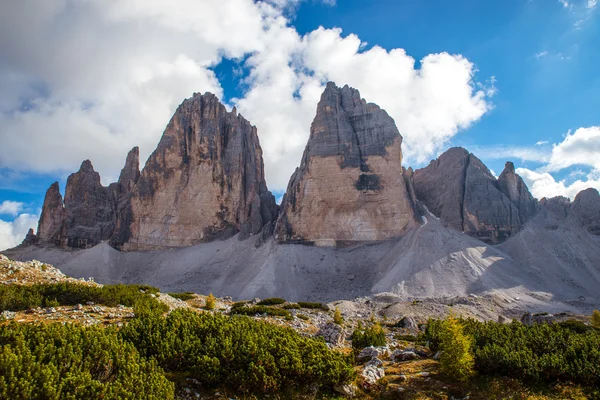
<point x="457" y="359"/>
<point x="57" y="361"/>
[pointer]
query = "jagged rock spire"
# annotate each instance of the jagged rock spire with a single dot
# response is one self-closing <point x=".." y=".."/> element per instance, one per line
<point x="350" y="185"/>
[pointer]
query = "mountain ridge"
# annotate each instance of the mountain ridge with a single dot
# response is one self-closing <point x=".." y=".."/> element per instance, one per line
<point x="199" y="217"/>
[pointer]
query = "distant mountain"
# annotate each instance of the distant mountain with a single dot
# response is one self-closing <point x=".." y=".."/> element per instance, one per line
<point x="445" y="230"/>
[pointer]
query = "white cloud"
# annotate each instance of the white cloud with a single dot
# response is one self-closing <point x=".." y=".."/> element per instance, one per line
<point x="541" y="54"/>
<point x="10" y="207"/>
<point x="542" y="184"/>
<point x="591" y="4"/>
<point x="101" y="76"/>
<point x="579" y="148"/>
<point x="541" y="142"/>
<point x="13" y="233"/>
<point x="565" y="3"/>
<point x="511" y="152"/>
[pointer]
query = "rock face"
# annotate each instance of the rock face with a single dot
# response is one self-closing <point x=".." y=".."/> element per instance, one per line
<point x="516" y="190"/>
<point x="51" y="223"/>
<point x="204" y="181"/>
<point x="350" y="185"/>
<point x="460" y="190"/>
<point x="586" y="208"/>
<point x="122" y="192"/>
<point x="90" y="209"/>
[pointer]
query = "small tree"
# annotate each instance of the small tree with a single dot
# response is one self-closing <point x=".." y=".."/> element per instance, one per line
<point x="210" y="302"/>
<point x="457" y="360"/>
<point x="337" y="316"/>
<point x="596" y="319"/>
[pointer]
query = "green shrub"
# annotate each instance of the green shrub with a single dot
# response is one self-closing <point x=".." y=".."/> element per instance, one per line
<point x="291" y="306"/>
<point x="22" y="297"/>
<point x="544" y="352"/>
<point x="596" y="319"/>
<point x="182" y="296"/>
<point x="576" y="326"/>
<point x="373" y="335"/>
<point x="243" y="309"/>
<point x="314" y="306"/>
<point x="211" y="302"/>
<point x="271" y="301"/>
<point x="72" y="362"/>
<point x="303" y="317"/>
<point x="337" y="317"/>
<point x="239" y="352"/>
<point x="457" y="359"/>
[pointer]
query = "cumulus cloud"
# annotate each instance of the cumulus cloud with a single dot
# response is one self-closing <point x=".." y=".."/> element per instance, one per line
<point x="93" y="79"/>
<point x="511" y="152"/>
<point x="10" y="207"/>
<point x="542" y="184"/>
<point x="13" y="233"/>
<point x="591" y="4"/>
<point x="579" y="148"/>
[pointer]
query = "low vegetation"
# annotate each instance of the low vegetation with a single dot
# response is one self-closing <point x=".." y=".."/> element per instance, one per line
<point x="312" y="305"/>
<point x="182" y="296"/>
<point x="211" y="302"/>
<point x="373" y="335"/>
<point x="146" y="356"/>
<point x="242" y="308"/>
<point x="23" y="297"/>
<point x="253" y="356"/>
<point x="58" y="361"/>
<point x="271" y="301"/>
<point x="337" y="317"/>
<point x="457" y="360"/>
<point x="539" y="353"/>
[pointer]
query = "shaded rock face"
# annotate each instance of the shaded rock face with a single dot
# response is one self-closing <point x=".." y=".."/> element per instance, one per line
<point x="586" y="208"/>
<point x="122" y="191"/>
<point x="89" y="208"/>
<point x="460" y="190"/>
<point x="204" y="181"/>
<point x="51" y="223"/>
<point x="350" y="184"/>
<point x="513" y="186"/>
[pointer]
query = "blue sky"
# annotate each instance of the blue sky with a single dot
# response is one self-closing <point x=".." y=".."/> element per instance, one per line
<point x="520" y="81"/>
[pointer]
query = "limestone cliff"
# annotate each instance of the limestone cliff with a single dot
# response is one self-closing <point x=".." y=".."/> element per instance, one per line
<point x="51" y="223"/>
<point x="350" y="185"/>
<point x="89" y="208"/>
<point x="460" y="190"/>
<point x="122" y="192"/>
<point x="204" y="181"/>
<point x="586" y="209"/>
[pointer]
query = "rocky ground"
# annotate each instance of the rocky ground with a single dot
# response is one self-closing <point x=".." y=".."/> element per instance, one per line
<point x="403" y="368"/>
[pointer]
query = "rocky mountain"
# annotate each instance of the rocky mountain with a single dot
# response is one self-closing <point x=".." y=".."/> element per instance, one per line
<point x="204" y="181"/>
<point x="446" y="230"/>
<point x="460" y="190"/>
<point x="350" y="185"/>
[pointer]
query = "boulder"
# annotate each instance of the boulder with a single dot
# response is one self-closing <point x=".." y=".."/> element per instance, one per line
<point x="369" y="353"/>
<point x="370" y="375"/>
<point x="332" y="333"/>
<point x="345" y="389"/>
<point x="407" y="322"/>
<point x="350" y="184"/>
<point x="404" y="355"/>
